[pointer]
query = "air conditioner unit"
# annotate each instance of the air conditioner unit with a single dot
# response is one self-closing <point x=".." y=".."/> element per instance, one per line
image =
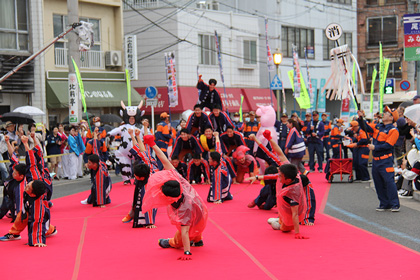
<point x="113" y="58"/>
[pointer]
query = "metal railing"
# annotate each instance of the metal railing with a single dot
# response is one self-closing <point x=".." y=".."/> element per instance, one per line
<point x="90" y="59"/>
<point x="142" y="4"/>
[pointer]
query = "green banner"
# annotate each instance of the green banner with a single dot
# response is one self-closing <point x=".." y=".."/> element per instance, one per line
<point x="240" y="109"/>
<point x="411" y="54"/>
<point x="372" y="89"/>
<point x="303" y="100"/>
<point x="80" y="82"/>
<point x="127" y="77"/>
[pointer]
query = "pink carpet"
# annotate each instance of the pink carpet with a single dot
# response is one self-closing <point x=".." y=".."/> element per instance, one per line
<point x="92" y="243"/>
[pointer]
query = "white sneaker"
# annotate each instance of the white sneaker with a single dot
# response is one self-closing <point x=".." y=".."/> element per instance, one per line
<point x="271" y="220"/>
<point x="84" y="201"/>
<point x="275" y="225"/>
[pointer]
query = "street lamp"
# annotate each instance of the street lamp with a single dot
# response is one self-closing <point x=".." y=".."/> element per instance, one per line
<point x="277" y="58"/>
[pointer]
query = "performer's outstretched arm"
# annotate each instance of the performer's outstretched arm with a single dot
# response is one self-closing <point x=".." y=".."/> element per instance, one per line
<point x="149" y="140"/>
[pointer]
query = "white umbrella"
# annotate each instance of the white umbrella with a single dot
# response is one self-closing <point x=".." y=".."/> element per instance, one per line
<point x="413" y="113"/>
<point x="30" y="110"/>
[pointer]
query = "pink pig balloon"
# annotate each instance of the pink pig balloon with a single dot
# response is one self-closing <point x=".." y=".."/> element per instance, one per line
<point x="268" y="119"/>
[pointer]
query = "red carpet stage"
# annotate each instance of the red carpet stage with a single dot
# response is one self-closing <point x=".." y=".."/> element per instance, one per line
<point x="93" y="243"/>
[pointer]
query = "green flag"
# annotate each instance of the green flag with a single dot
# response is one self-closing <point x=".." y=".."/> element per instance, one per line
<point x="303" y="100"/>
<point x="80" y="82"/>
<point x="127" y="77"/>
<point x="240" y="109"/>
<point x="372" y="89"/>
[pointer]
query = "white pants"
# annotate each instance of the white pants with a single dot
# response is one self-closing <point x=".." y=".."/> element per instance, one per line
<point x="72" y="167"/>
<point x="80" y="165"/>
<point x="63" y="165"/>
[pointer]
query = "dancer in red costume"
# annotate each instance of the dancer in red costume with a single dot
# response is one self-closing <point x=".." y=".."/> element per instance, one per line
<point x="291" y="202"/>
<point x="186" y="209"/>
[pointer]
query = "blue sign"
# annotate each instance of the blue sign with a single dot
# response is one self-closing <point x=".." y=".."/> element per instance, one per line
<point x="151" y="92"/>
<point x="276" y="83"/>
<point x="405" y="85"/>
<point x="411" y="24"/>
<point x="389" y="86"/>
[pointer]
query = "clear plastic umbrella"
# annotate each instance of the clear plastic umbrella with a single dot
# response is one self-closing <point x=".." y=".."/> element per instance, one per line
<point x="30" y="110"/>
<point x="413" y="113"/>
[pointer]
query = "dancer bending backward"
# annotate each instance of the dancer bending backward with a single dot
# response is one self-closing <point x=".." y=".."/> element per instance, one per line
<point x="186" y="210"/>
<point x="142" y="170"/>
<point x="291" y="202"/>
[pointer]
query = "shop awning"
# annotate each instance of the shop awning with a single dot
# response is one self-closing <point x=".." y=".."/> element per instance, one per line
<point x="259" y="97"/>
<point x="97" y="93"/>
<point x="187" y="98"/>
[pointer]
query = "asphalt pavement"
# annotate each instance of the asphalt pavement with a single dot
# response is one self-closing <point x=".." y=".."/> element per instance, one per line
<point x="355" y="203"/>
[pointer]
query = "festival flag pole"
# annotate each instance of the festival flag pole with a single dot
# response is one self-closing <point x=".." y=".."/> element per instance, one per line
<point x="216" y="39"/>
<point x="270" y="62"/>
<point x="127" y="77"/>
<point x="198" y="90"/>
<point x="372" y="88"/>
<point x="82" y="90"/>
<point x="311" y="94"/>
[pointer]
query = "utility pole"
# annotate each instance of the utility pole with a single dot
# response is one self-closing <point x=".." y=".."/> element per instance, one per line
<point x="75" y="108"/>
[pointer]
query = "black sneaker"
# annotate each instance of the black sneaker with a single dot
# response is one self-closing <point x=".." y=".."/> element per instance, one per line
<point x="10" y="237"/>
<point x="395" y="209"/>
<point x="128" y="182"/>
<point x="197" y="244"/>
<point x="164" y="243"/>
<point x="382" y="209"/>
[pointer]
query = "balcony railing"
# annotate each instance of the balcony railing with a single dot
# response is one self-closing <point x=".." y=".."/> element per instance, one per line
<point x="90" y="59"/>
<point x="143" y="4"/>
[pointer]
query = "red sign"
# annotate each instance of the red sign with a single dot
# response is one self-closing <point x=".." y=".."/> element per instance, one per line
<point x="412" y="40"/>
<point x="345" y="105"/>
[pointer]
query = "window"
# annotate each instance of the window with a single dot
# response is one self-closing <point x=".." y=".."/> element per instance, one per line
<point x="394" y="70"/>
<point x="89" y="59"/>
<point x="383" y="30"/>
<point x="300" y="37"/>
<point x="207" y="49"/>
<point x="347" y="2"/>
<point x="250" y="52"/>
<point x="346" y="39"/>
<point x="394" y="1"/>
<point x="208" y="5"/>
<point x="14" y="25"/>
<point x="372" y="2"/>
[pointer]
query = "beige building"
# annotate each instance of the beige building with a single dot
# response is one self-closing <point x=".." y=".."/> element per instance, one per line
<point x="102" y="67"/>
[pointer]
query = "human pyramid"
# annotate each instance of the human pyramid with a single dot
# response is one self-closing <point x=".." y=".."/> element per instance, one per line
<point x="209" y="149"/>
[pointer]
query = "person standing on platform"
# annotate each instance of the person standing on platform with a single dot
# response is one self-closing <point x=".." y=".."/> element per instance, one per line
<point x="251" y="127"/>
<point x="282" y="131"/>
<point x="360" y="153"/>
<point x="315" y="133"/>
<point x="385" y="135"/>
<point x="163" y="135"/>
<point x="326" y="138"/>
<point x="209" y="96"/>
<point x="239" y="126"/>
<point x="336" y="138"/>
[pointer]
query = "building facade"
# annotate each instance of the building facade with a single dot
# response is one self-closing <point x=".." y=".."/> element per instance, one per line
<point x="382" y="21"/>
<point x="102" y="67"/>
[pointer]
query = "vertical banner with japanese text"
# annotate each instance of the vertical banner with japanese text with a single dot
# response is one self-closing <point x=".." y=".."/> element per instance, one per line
<point x="73" y="99"/>
<point x="171" y="79"/>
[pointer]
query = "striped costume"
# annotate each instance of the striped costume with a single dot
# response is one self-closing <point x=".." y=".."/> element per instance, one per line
<point x="101" y="182"/>
<point x="140" y="218"/>
<point x="220" y="181"/>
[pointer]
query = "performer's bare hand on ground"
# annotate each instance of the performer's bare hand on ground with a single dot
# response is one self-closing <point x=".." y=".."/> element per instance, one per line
<point x="40" y="245"/>
<point x="151" y="226"/>
<point x="218" y="202"/>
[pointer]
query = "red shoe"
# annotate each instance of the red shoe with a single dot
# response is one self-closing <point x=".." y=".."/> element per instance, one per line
<point x="127" y="219"/>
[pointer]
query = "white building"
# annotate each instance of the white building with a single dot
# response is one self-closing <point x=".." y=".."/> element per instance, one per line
<point x="187" y="28"/>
